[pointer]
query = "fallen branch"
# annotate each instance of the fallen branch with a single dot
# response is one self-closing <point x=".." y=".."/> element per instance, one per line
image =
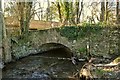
<point x="60" y="58"/>
<point x="107" y="65"/>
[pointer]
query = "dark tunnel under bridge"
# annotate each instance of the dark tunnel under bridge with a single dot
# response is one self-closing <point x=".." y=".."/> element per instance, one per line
<point x="55" y="50"/>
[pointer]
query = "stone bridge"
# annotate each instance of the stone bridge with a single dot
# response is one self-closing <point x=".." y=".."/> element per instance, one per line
<point x="101" y="43"/>
<point x="46" y="41"/>
<point x="51" y="36"/>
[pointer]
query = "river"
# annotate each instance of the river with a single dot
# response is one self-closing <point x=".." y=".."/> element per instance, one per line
<point x="41" y="67"/>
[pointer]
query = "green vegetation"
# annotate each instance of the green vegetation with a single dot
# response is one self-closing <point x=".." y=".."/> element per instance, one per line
<point x="75" y="32"/>
<point x="99" y="37"/>
<point x="84" y="29"/>
<point x="69" y="32"/>
<point x="99" y="72"/>
<point x="82" y="50"/>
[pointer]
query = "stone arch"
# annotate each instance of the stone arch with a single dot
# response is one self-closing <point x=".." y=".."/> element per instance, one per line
<point x="53" y="49"/>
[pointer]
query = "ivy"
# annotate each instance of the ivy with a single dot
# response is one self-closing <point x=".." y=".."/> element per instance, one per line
<point x="75" y="32"/>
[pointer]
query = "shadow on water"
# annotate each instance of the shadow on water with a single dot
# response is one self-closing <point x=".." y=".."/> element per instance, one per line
<point x="41" y="66"/>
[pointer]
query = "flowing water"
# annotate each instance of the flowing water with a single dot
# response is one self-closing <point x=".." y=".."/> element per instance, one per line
<point x="42" y="67"/>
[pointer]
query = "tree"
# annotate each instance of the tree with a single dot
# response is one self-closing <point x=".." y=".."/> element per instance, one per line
<point x="118" y="21"/>
<point x="102" y="15"/>
<point x="107" y="11"/>
<point x="66" y="8"/>
<point x="67" y="13"/>
<point x="24" y="13"/>
<point x="59" y="11"/>
<point x="6" y="55"/>
<point x="1" y="22"/>
<point x="117" y="12"/>
<point x="78" y="10"/>
<point x="48" y="11"/>
<point x="71" y="13"/>
<point x="1" y="25"/>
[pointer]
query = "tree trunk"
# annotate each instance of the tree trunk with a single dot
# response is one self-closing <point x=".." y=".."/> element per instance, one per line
<point x="0" y="29"/>
<point x="28" y="16"/>
<point x="1" y="22"/>
<point x="6" y="53"/>
<point x="71" y="14"/>
<point x="66" y="20"/>
<point x="102" y="15"/>
<point x="59" y="11"/>
<point x="77" y="11"/>
<point x="118" y="21"/>
<point x="24" y="9"/>
<point x="21" y="6"/>
<point x="106" y="18"/>
<point x="48" y="11"/>
<point x="117" y="12"/>
<point x="80" y="12"/>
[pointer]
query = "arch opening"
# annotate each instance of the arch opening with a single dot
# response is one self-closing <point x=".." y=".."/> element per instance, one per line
<point x="55" y="50"/>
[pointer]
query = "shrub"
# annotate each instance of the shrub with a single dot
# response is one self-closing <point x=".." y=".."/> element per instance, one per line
<point x="70" y="32"/>
<point x="75" y="32"/>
